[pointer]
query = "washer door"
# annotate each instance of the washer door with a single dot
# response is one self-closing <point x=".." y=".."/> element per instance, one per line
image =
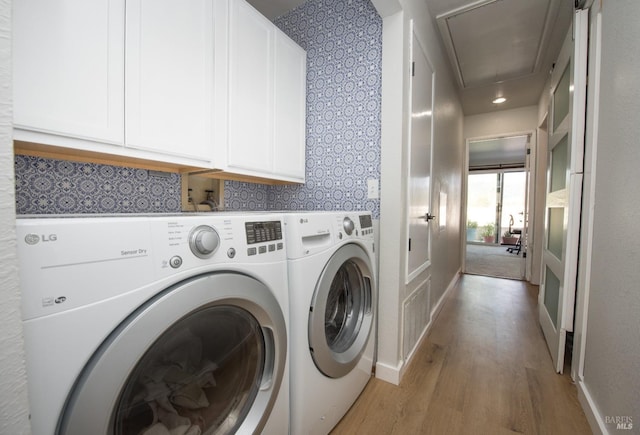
<point x="205" y="356"/>
<point x="340" y="316"/>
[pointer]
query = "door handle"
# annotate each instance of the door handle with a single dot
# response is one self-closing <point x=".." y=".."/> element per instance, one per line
<point x="428" y="217"/>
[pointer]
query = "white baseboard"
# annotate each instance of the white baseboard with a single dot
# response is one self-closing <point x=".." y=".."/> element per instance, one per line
<point x="594" y="418"/>
<point x="394" y="374"/>
<point x="436" y="310"/>
<point x="388" y="373"/>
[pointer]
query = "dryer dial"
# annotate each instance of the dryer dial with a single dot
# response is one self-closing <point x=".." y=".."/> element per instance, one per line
<point x="203" y="241"/>
<point x="348" y="225"/>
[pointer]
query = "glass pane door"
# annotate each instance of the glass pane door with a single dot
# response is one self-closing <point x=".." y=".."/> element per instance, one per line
<point x="482" y="203"/>
<point x="514" y="186"/>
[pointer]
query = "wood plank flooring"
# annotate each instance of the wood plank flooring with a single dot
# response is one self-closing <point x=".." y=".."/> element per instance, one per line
<point x="484" y="368"/>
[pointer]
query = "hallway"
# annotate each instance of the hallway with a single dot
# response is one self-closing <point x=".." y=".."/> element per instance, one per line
<point x="483" y="369"/>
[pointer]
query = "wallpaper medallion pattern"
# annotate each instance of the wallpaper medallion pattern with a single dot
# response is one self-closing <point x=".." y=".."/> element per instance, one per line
<point x="343" y="40"/>
<point x="47" y="186"/>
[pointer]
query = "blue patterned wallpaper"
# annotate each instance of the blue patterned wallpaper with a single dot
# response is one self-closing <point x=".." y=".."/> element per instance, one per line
<point x="46" y="186"/>
<point x="343" y="40"/>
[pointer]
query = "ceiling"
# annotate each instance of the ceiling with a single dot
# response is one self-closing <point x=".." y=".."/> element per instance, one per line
<point x="496" y="47"/>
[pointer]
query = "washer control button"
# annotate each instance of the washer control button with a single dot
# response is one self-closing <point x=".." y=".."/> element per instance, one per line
<point x="175" y="261"/>
<point x="262" y="249"/>
<point x="272" y="247"/>
<point x="251" y="251"/>
<point x="231" y="252"/>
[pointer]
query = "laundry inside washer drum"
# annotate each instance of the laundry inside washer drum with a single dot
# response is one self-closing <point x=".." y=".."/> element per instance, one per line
<point x="200" y="376"/>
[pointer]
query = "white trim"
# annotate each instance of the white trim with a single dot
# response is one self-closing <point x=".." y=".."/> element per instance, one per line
<point x="388" y="373"/>
<point x="590" y="410"/>
<point x="588" y="209"/>
<point x="435" y="311"/>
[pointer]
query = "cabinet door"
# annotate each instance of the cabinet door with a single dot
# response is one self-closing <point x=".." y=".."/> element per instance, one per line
<point x="69" y="68"/>
<point x="290" y="107"/>
<point x="170" y="76"/>
<point x="250" y="89"/>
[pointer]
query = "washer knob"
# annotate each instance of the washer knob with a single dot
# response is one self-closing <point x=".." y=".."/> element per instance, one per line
<point x="348" y="225"/>
<point x="203" y="241"/>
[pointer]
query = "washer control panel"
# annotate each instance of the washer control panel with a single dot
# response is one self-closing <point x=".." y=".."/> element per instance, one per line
<point x="117" y="254"/>
<point x="266" y="234"/>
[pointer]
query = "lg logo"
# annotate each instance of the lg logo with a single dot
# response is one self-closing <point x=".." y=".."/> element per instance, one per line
<point x="33" y="239"/>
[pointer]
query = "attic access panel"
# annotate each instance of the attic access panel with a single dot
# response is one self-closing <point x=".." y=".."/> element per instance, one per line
<point x="495" y="40"/>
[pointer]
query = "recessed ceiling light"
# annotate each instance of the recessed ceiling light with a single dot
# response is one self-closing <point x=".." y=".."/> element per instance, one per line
<point x="499" y="100"/>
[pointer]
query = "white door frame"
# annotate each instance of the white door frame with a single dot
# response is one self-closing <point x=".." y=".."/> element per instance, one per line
<point x="465" y="188"/>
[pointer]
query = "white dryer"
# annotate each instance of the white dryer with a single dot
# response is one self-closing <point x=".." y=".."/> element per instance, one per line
<point x="155" y="324"/>
<point x="332" y="296"/>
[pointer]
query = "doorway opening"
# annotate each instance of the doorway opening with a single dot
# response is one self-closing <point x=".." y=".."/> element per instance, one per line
<point x="496" y="209"/>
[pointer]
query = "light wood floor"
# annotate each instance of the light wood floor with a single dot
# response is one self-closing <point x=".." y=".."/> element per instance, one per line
<point x="484" y="368"/>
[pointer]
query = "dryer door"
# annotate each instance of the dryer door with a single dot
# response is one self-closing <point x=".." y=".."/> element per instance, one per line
<point x="341" y="316"/>
<point x="204" y="356"/>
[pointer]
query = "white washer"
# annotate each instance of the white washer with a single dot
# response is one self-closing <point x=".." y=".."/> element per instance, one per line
<point x="332" y="297"/>
<point x="134" y="323"/>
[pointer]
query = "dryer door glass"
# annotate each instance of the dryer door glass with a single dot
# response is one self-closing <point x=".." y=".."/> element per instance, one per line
<point x="346" y="306"/>
<point x="200" y="376"/>
<point x="341" y="315"/>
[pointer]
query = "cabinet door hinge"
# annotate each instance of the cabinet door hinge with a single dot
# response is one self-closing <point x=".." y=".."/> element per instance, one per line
<point x="409" y="245"/>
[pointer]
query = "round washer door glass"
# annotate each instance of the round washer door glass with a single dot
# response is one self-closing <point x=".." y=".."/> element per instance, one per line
<point x="341" y="318"/>
<point x="206" y="355"/>
<point x="201" y="375"/>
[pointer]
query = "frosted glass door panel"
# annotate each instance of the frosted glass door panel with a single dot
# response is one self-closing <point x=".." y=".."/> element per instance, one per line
<point x="556" y="231"/>
<point x="250" y="89"/>
<point x="551" y="295"/>
<point x="559" y="160"/>
<point x="561" y="99"/>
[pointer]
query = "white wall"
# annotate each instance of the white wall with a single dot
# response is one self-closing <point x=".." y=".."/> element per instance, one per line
<point x="14" y="408"/>
<point x="612" y="351"/>
<point x="502" y="122"/>
<point x="448" y="152"/>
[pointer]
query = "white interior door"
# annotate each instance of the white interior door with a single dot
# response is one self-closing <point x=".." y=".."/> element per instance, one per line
<point x="564" y="190"/>
<point x="419" y="188"/>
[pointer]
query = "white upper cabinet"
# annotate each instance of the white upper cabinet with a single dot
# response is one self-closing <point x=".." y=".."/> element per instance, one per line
<point x="208" y="84"/>
<point x="170" y="77"/>
<point x="250" y="84"/>
<point x="69" y="68"/>
<point x="267" y="88"/>
<point x="290" y="108"/>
